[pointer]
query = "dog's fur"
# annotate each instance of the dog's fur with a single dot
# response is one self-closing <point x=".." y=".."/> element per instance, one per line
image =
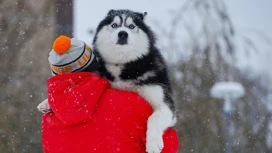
<point x="128" y="58"/>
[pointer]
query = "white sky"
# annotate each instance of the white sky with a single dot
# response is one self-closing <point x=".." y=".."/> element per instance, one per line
<point x="247" y="15"/>
<point x="89" y="14"/>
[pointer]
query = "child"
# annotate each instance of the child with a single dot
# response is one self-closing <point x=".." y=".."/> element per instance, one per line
<point x="87" y="114"/>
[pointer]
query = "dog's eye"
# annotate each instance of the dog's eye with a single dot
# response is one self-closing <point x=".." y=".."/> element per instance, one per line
<point x="131" y="26"/>
<point x="114" y="25"/>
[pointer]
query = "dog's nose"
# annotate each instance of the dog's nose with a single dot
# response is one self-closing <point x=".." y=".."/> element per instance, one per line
<point x="122" y="34"/>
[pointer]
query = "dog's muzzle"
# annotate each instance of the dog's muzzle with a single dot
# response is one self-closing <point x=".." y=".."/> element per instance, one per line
<point x="122" y="38"/>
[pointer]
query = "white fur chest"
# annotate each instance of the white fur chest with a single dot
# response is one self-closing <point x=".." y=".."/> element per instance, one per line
<point x="115" y="71"/>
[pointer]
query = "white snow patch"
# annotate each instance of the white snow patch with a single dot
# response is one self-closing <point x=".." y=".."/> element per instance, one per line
<point x="232" y="90"/>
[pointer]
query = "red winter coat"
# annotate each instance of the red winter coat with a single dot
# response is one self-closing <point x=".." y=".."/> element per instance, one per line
<point x="91" y="117"/>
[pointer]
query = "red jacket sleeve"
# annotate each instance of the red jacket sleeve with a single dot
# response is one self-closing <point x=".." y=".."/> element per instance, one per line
<point x="74" y="96"/>
<point x="171" y="142"/>
<point x="130" y="113"/>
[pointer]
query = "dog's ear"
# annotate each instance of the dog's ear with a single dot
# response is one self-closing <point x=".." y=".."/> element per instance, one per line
<point x="111" y="11"/>
<point x="142" y="15"/>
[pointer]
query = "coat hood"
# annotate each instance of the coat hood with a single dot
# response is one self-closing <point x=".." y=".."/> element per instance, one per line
<point x="74" y="96"/>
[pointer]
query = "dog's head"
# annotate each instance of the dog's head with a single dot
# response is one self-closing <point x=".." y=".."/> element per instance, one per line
<point x="123" y="37"/>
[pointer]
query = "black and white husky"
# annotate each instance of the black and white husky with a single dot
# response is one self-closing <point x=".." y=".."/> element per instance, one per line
<point x="128" y="58"/>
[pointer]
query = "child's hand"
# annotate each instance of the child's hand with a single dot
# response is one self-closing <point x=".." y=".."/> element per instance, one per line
<point x="44" y="106"/>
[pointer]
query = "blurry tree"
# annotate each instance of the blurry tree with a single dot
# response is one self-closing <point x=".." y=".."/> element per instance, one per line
<point x="26" y="34"/>
<point x="202" y="50"/>
<point x="64" y="17"/>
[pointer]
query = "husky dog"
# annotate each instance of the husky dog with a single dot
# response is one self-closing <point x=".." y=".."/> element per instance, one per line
<point x="128" y="58"/>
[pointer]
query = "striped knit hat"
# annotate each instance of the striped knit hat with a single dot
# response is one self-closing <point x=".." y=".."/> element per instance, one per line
<point x="69" y="55"/>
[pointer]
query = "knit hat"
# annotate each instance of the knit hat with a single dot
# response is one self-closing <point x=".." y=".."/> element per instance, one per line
<point x="69" y="55"/>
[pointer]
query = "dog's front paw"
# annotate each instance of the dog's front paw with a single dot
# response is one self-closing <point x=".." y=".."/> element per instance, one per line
<point x="44" y="107"/>
<point x="154" y="142"/>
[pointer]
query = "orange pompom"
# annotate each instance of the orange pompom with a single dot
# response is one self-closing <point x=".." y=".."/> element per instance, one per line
<point x="62" y="44"/>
